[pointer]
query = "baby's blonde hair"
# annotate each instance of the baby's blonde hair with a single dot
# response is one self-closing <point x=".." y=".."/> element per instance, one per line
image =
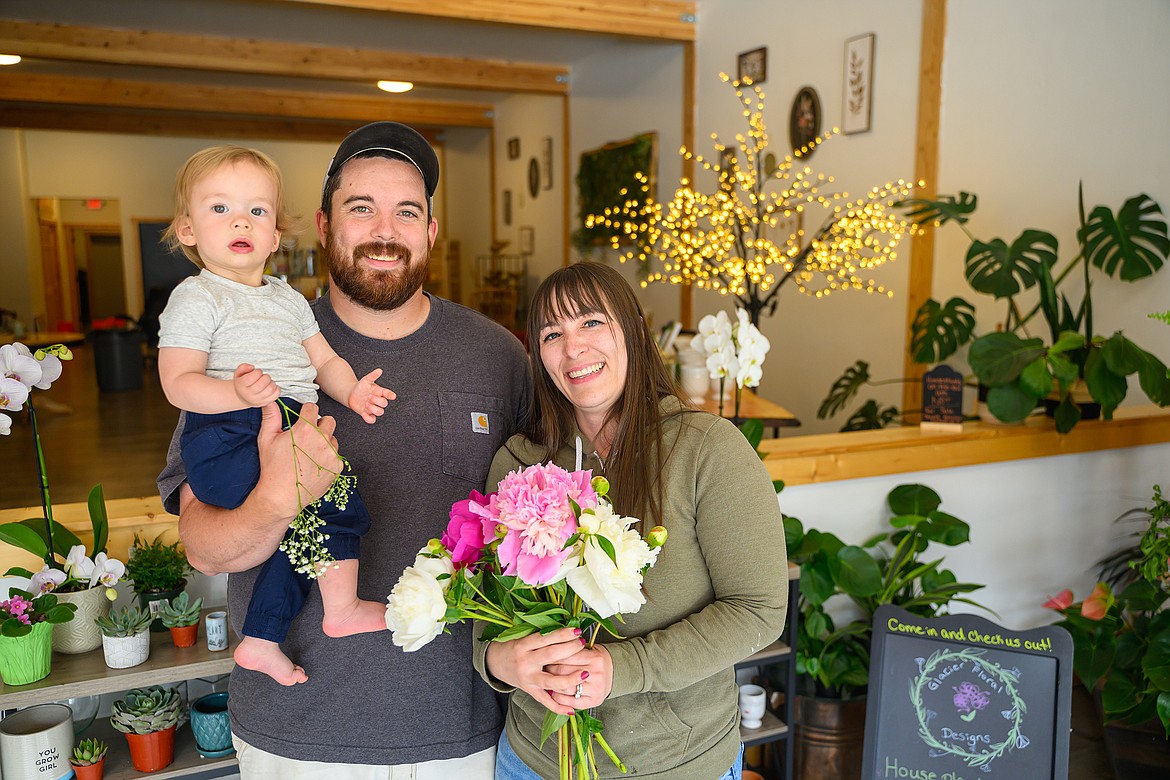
<point x="205" y="162"/>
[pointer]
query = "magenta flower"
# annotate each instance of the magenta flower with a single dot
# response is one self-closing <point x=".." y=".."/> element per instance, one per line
<point x="466" y="534"/>
<point x="533" y="505"/>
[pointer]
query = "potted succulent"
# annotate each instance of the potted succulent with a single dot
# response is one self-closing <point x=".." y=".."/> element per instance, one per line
<point x="158" y="572"/>
<point x="888" y="568"/>
<point x="89" y="759"/>
<point x="125" y="637"/>
<point x="181" y="616"/>
<point x="148" y="716"/>
<point x="1021" y="369"/>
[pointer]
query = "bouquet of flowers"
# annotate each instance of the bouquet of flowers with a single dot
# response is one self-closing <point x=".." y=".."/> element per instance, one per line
<point x="21" y="610"/>
<point x="732" y="350"/>
<point x="22" y="370"/>
<point x="545" y="552"/>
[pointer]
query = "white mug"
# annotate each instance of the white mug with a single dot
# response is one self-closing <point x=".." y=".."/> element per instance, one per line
<point x="217" y="637"/>
<point x="751" y="706"/>
<point x="695" y="381"/>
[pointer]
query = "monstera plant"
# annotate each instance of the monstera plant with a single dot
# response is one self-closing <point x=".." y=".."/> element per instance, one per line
<point x="1021" y="368"/>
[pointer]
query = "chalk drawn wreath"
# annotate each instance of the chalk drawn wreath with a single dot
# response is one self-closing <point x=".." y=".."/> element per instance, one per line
<point x="1008" y="678"/>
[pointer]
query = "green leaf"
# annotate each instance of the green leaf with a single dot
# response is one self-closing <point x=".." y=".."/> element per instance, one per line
<point x="1036" y="379"/>
<point x="98" y="519"/>
<point x="913" y="500"/>
<point x="855" y="571"/>
<point x="1156" y="662"/>
<point x="1010" y="404"/>
<point x="870" y="418"/>
<point x="1164" y="711"/>
<point x="1154" y="381"/>
<point x="816" y="623"/>
<point x="996" y="269"/>
<point x="1063" y="370"/>
<point x="1119" y="694"/>
<point x="515" y="632"/>
<point x="1122" y="356"/>
<point x="13" y="627"/>
<point x="946" y="529"/>
<point x="1132" y="245"/>
<point x="816" y="581"/>
<point x="1106" y="387"/>
<point x="998" y="358"/>
<point x="552" y="722"/>
<point x="939" y="331"/>
<point x="21" y="536"/>
<point x="947" y="208"/>
<point x="843" y="389"/>
<point x="753" y="431"/>
<point x="793" y="536"/>
<point x="607" y="547"/>
<point x="1068" y="341"/>
<point x="1067" y="415"/>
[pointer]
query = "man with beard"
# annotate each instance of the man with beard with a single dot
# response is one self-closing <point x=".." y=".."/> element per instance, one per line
<point x="369" y="710"/>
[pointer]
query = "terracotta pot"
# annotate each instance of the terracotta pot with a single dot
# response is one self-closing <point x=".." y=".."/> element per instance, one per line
<point x="154" y="751"/>
<point x="90" y="771"/>
<point x="184" y="636"/>
<point x="829" y="738"/>
<point x="81" y="634"/>
<point x="149" y="600"/>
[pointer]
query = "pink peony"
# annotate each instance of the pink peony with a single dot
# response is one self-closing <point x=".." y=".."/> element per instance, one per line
<point x="533" y="504"/>
<point x="466" y="534"/>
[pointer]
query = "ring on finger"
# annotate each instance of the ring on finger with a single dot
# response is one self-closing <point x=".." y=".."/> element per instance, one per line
<point x="577" y="693"/>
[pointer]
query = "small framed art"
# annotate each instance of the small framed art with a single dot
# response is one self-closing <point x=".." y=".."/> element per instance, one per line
<point x="546" y="163"/>
<point x="513" y="148"/>
<point x="527" y="240"/>
<point x="858" y="109"/>
<point x="752" y="66"/>
<point x="804" y="122"/>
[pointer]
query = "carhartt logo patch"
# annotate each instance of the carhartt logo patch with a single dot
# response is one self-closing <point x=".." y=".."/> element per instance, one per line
<point x="479" y="422"/>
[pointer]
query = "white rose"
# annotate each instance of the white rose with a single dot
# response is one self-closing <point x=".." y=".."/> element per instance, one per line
<point x="417" y="604"/>
<point x="609" y="588"/>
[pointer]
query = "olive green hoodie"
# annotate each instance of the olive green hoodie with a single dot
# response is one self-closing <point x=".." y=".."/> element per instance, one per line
<point x="718" y="593"/>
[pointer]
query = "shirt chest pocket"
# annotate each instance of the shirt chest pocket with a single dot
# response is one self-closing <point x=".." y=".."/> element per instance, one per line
<point x="474" y="427"/>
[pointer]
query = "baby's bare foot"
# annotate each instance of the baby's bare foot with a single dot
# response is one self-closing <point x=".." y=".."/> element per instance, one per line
<point x="358" y="617"/>
<point x="266" y="657"/>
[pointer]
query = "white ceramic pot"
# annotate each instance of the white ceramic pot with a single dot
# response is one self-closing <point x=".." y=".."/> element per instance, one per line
<point x="81" y="634"/>
<point x="122" y="652"/>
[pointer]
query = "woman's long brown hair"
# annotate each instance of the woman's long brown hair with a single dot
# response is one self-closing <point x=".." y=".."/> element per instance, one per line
<point x="637" y="453"/>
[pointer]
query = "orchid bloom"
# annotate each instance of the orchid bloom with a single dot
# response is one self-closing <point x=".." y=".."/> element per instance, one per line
<point x="46" y="580"/>
<point x="77" y="564"/>
<point x="13" y="394"/>
<point x="16" y="362"/>
<point x="107" y="571"/>
<point x="5" y="425"/>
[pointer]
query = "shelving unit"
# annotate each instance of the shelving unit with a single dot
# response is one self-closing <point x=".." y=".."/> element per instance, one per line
<point x="774" y="730"/>
<point x="86" y="674"/>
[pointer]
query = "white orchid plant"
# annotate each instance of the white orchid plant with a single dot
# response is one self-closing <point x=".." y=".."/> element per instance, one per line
<point x="733" y="350"/>
<point x="68" y="566"/>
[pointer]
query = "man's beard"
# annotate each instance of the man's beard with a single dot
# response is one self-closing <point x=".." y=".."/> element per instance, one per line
<point x="370" y="288"/>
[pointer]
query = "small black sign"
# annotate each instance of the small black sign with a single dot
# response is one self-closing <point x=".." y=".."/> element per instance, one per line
<point x="942" y="395"/>
<point x="961" y="698"/>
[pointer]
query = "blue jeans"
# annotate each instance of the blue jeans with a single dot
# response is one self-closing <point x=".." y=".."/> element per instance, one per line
<point x="510" y="767"/>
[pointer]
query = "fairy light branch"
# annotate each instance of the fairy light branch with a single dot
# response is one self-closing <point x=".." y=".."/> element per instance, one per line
<point x="744" y="238"/>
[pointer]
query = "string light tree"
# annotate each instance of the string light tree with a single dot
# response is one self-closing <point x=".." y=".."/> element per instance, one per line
<point x="744" y="238"/>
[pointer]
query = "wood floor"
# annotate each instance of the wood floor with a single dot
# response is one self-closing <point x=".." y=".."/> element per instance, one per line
<point x="117" y="439"/>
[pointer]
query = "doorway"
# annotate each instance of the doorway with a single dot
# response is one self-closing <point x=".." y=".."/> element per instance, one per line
<point x="82" y="261"/>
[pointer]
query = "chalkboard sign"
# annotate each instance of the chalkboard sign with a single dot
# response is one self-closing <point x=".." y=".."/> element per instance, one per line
<point x="960" y="698"/>
<point x="162" y="268"/>
<point x="942" y="396"/>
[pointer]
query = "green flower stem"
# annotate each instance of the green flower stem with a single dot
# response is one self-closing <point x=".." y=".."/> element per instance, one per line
<point x="609" y="752"/>
<point x="43" y="475"/>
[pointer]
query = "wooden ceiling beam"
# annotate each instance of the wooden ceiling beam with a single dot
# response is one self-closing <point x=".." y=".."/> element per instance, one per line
<point x="154" y="48"/>
<point x="670" y="20"/>
<point x="196" y="98"/>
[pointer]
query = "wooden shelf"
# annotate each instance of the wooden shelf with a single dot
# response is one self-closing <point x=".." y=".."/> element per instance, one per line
<point x="187" y="759"/>
<point x="771" y="729"/>
<point x="86" y="674"/>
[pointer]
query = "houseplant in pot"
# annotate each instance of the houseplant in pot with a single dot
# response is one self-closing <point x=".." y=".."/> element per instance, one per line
<point x="841" y="586"/>
<point x="158" y="572"/>
<point x="148" y="716"/>
<point x="181" y="616"/>
<point x="89" y="759"/>
<point x="125" y="637"/>
<point x="26" y="632"/>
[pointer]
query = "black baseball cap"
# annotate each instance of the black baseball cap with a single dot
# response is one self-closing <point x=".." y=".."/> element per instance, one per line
<point x="393" y="137"/>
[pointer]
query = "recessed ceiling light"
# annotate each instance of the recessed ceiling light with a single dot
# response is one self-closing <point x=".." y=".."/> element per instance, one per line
<point x="395" y="86"/>
<point x="9" y="59"/>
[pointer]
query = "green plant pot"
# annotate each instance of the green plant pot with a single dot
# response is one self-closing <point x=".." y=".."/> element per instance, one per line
<point x="26" y="659"/>
<point x="149" y="599"/>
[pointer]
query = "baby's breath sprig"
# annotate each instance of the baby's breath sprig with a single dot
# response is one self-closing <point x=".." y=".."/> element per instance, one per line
<point x="305" y="546"/>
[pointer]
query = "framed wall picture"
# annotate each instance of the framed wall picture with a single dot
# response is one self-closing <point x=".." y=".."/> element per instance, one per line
<point x="513" y="148"/>
<point x="857" y="111"/>
<point x="804" y="122"/>
<point x="752" y="66"/>
<point x="527" y="240"/>
<point x="506" y="207"/>
<point x="546" y="163"/>
<point x="533" y="177"/>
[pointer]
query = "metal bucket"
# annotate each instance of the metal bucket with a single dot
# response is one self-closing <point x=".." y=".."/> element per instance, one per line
<point x="830" y="734"/>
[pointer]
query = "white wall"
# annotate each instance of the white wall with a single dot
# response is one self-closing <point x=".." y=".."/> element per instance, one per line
<point x="1037" y="526"/>
<point x="467" y="177"/>
<point x="18" y="226"/>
